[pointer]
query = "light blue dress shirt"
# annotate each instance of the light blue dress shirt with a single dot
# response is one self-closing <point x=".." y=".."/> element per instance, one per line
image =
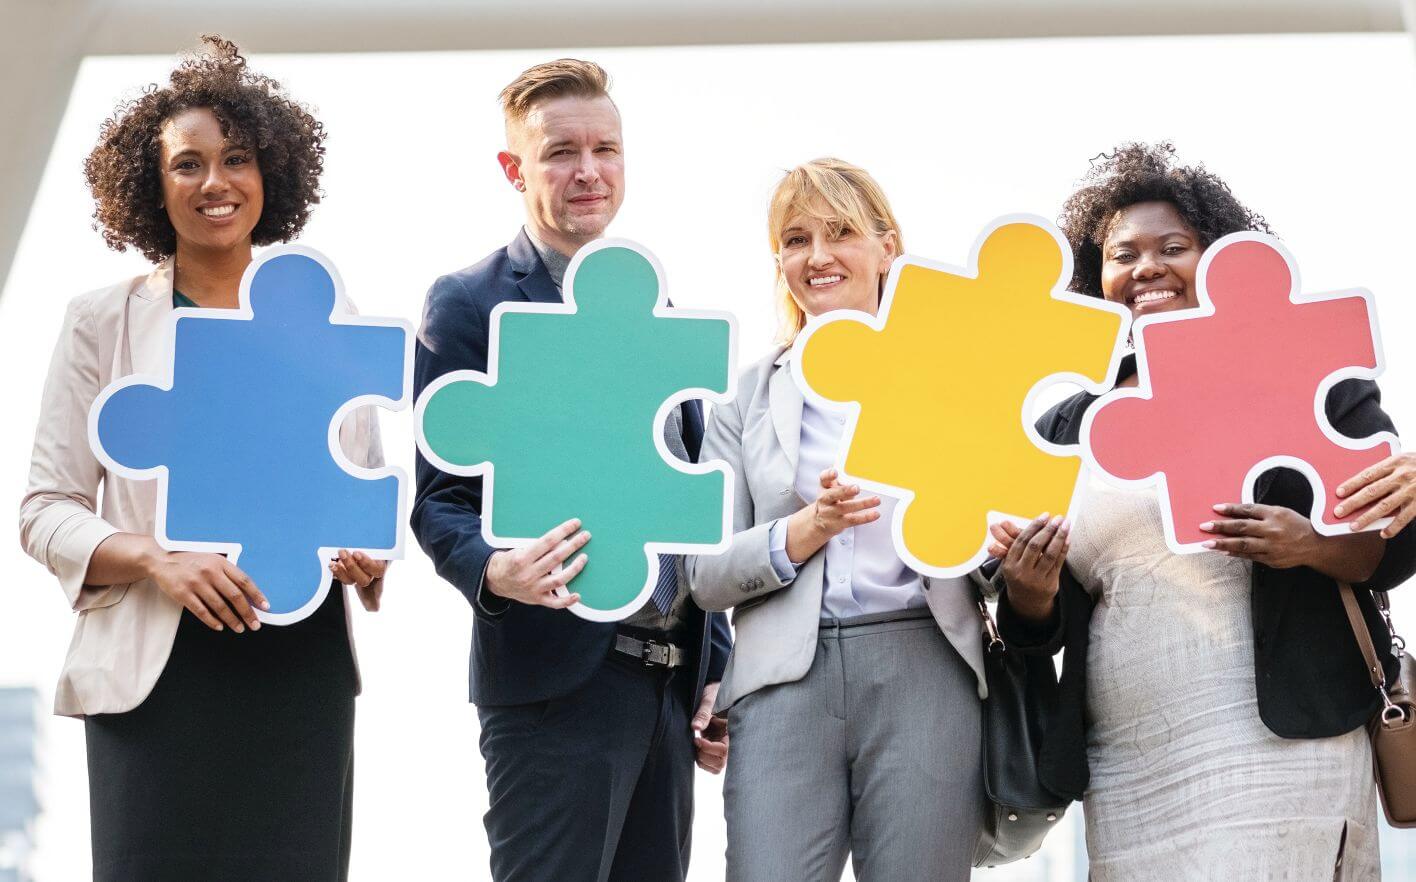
<point x="863" y="575"/>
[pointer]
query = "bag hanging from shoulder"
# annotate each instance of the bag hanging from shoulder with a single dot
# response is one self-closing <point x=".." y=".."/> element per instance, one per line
<point x="1393" y="729"/>
<point x="1018" y="810"/>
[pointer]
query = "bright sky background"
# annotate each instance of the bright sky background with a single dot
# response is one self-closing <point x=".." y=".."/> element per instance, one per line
<point x="1314" y="132"/>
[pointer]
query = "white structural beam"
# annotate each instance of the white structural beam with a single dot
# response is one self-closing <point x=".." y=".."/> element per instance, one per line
<point x="43" y="41"/>
<point x="41" y="45"/>
<point x="355" y="25"/>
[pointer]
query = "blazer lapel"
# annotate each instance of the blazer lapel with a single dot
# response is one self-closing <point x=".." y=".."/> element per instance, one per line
<point x="146" y="336"/>
<point x="534" y="279"/>
<point x="785" y="401"/>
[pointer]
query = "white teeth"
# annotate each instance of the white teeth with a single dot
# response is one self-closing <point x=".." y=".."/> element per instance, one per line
<point x="1153" y="296"/>
<point x="823" y="280"/>
<point x="218" y="211"/>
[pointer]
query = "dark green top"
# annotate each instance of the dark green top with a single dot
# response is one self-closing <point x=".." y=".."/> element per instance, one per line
<point x="180" y="300"/>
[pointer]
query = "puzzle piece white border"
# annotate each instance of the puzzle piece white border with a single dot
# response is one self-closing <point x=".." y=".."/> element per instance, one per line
<point x="342" y="314"/>
<point x="1204" y="309"/>
<point x="487" y="469"/>
<point x="877" y="322"/>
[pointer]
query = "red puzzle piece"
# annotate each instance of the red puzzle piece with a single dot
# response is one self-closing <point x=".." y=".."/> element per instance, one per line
<point x="1237" y="386"/>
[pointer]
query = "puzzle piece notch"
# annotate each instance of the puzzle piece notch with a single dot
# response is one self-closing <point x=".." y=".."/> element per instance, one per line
<point x="248" y="430"/>
<point x="1223" y="400"/>
<point x="901" y="370"/>
<point x="541" y="425"/>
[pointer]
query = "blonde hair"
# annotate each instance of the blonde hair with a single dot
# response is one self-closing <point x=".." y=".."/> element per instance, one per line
<point x="553" y="79"/>
<point x="836" y="192"/>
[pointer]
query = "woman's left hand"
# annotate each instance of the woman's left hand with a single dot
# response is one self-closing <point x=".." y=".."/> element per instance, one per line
<point x="364" y="573"/>
<point x="1389" y="487"/>
<point x="1272" y="535"/>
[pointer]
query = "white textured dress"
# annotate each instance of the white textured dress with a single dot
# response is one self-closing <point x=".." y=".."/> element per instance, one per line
<point x="1187" y="783"/>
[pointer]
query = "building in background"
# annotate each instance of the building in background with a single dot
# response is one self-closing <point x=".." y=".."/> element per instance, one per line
<point x="19" y="779"/>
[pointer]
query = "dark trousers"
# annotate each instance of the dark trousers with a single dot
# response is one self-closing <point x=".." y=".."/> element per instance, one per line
<point x="595" y="786"/>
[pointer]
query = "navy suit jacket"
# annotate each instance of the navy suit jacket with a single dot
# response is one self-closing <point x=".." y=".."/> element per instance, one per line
<point x="520" y="653"/>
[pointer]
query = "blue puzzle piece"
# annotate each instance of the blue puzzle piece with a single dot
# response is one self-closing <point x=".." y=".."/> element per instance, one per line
<point x="243" y="433"/>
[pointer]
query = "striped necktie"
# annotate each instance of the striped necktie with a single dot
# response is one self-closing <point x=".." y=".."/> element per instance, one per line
<point x="667" y="587"/>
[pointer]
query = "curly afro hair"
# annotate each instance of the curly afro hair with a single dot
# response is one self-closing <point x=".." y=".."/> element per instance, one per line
<point x="122" y="171"/>
<point x="1146" y="173"/>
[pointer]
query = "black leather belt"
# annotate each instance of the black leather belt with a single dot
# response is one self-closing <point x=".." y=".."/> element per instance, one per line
<point x="654" y="653"/>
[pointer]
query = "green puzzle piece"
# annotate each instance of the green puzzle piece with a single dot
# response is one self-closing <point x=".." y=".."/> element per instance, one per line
<point x="569" y="423"/>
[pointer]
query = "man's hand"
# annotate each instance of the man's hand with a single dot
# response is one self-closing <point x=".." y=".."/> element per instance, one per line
<point x="710" y="733"/>
<point x="526" y="574"/>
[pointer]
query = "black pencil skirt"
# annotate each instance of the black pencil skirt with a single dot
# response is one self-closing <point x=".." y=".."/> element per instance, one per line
<point x="239" y="766"/>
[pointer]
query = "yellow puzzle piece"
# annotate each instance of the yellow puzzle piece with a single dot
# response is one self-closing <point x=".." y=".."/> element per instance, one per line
<point x="941" y="383"/>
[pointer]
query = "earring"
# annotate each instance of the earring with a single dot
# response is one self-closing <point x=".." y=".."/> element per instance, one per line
<point x="521" y="185"/>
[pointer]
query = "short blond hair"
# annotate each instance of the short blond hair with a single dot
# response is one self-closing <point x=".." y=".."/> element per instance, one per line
<point x="836" y="192"/>
<point x="564" y="77"/>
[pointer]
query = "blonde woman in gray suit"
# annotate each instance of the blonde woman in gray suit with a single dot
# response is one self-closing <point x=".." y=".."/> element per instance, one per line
<point x="853" y="690"/>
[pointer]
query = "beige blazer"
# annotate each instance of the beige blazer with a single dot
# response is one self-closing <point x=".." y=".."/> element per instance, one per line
<point x="124" y="633"/>
<point x="775" y="626"/>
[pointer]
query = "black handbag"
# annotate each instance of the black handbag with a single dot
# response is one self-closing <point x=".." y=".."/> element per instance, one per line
<point x="1022" y="693"/>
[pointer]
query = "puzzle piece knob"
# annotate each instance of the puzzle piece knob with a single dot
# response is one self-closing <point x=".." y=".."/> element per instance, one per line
<point x="1249" y="270"/>
<point x="1021" y="256"/>
<point x="304" y="288"/>
<point x="619" y="278"/>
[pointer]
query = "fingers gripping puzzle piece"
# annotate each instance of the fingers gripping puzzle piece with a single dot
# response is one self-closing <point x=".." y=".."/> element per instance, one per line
<point x="243" y="432"/>
<point x="569" y="423"/>
<point x="942" y="377"/>
<point x="1236" y="387"/>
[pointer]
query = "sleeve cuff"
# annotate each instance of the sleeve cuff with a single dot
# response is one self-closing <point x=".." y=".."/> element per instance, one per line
<point x="487" y="603"/>
<point x="1022" y="633"/>
<point x="1398" y="562"/>
<point x="71" y="549"/>
<point x="777" y="551"/>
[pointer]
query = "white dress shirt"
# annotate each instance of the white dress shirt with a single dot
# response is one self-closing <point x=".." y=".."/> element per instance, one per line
<point x="863" y="574"/>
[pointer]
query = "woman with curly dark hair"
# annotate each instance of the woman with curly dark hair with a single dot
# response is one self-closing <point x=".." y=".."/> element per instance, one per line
<point x="1214" y="704"/>
<point x="217" y="749"/>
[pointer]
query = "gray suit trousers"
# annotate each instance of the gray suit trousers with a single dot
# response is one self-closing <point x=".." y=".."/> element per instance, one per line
<point x="875" y="753"/>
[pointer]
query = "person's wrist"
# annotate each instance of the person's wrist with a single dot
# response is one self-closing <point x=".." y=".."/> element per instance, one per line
<point x="1312" y="548"/>
<point x="492" y="578"/>
<point x="153" y="558"/>
<point x="804" y="535"/>
<point x="1030" y="603"/>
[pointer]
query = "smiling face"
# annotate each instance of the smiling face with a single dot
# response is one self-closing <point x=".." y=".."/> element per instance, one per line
<point x="212" y="190"/>
<point x="567" y="158"/>
<point x="828" y="265"/>
<point x="1149" y="259"/>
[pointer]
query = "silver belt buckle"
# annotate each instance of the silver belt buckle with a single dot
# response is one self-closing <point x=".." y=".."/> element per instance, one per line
<point x="648" y="650"/>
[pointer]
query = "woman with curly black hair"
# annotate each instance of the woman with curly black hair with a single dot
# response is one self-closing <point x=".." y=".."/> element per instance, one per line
<point x="217" y="749"/>
<point x="1213" y="704"/>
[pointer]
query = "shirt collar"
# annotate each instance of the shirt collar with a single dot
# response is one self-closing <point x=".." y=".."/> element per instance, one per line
<point x="556" y="263"/>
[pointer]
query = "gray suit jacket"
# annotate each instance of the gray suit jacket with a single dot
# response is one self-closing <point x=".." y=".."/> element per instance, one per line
<point x="776" y="625"/>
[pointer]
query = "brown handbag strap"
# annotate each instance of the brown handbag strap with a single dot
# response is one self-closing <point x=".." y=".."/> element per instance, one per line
<point x="1363" y="635"/>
